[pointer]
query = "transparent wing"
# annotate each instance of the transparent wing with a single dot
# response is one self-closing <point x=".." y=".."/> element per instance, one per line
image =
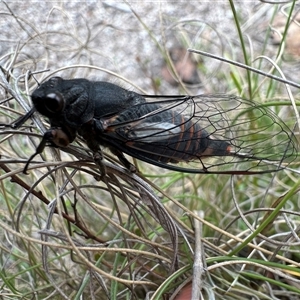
<point x="203" y="134"/>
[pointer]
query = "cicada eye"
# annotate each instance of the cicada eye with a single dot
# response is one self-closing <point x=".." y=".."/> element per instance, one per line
<point x="54" y="102"/>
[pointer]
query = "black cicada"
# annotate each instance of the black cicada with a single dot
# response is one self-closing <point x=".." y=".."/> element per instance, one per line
<point x="219" y="134"/>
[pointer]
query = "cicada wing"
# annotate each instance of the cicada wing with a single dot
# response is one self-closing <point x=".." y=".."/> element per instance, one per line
<point x="203" y="134"/>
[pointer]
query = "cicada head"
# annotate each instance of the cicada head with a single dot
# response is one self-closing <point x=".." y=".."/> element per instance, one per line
<point x="65" y="102"/>
<point x="48" y="99"/>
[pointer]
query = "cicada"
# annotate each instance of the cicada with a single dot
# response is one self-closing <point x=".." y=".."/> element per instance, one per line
<point x="220" y="134"/>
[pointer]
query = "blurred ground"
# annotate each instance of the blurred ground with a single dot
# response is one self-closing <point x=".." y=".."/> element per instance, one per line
<point x="130" y="39"/>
